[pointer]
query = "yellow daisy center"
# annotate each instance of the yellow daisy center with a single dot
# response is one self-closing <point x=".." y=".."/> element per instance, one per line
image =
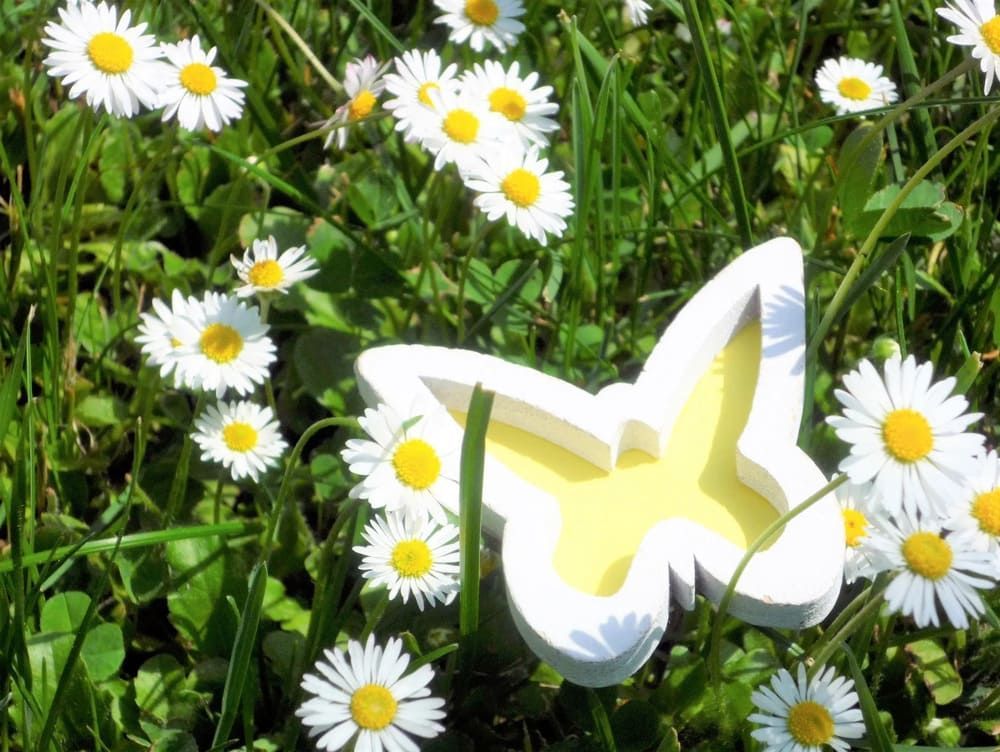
<point x="521" y="187"/>
<point x="907" y="435"/>
<point x="482" y="12"/>
<point x="361" y="106"/>
<point x="412" y="558"/>
<point x="461" y="126"/>
<point x="199" y="79"/>
<point x="928" y="555"/>
<point x="854" y="88"/>
<point x="373" y="707"/>
<point x="239" y="436"/>
<point x="416" y="463"/>
<point x="810" y="724"/>
<point x="266" y="273"/>
<point x="423" y="95"/>
<point x="986" y="509"/>
<point x="855" y="527"/>
<point x="221" y="343"/>
<point x="508" y="103"/>
<point x="991" y="34"/>
<point x="110" y="52"/>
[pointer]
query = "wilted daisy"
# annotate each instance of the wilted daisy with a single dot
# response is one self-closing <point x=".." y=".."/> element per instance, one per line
<point x="637" y="12"/>
<point x="524" y="107"/>
<point x="363" y="83"/>
<point x="852" y="85"/>
<point x="459" y="130"/>
<point x="101" y="56"/>
<point x="931" y="569"/>
<point x="976" y="517"/>
<point x="979" y="28"/>
<point x="906" y="434"/>
<point x="482" y="21"/>
<point x="410" y="463"/>
<point x="805" y="716"/>
<point x="518" y="186"/>
<point x="197" y="92"/>
<point x="158" y="331"/>
<point x="242" y="436"/>
<point x="263" y="270"/>
<point x="365" y="696"/>
<point x="417" y="74"/>
<point x="224" y="345"/>
<point x="411" y="556"/>
<point x="856" y="509"/>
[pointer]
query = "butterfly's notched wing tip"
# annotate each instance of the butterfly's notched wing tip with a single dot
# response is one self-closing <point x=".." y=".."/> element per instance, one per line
<point x="600" y="640"/>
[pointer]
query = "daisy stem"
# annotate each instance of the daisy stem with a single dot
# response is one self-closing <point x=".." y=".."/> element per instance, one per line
<point x="293" y="461"/>
<point x="830" y="644"/>
<point x="333" y="83"/>
<point x="715" y="641"/>
<point x="833" y="309"/>
<point x="375" y="614"/>
<point x="181" y="475"/>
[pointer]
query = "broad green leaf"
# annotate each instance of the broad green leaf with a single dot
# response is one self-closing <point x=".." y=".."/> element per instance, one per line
<point x="160" y="688"/>
<point x="923" y="213"/>
<point x="64" y="612"/>
<point x="636" y="726"/>
<point x="937" y="671"/>
<point x="288" y="227"/>
<point x="101" y="410"/>
<point x="103" y="651"/>
<point x="857" y="166"/>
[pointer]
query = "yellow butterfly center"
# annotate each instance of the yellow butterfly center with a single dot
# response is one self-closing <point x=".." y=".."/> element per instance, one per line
<point x="416" y="463"/>
<point x="266" y="273"/>
<point x="928" y="555"/>
<point x="854" y="88"/>
<point x="461" y="126"/>
<point x="422" y="94"/>
<point x="991" y="34"/>
<point x="810" y="724"/>
<point x="199" y="79"/>
<point x="361" y="106"/>
<point x="482" y="12"/>
<point x="239" y="437"/>
<point x="109" y="52"/>
<point x="986" y="510"/>
<point x="412" y="558"/>
<point x="855" y="527"/>
<point x="521" y="187"/>
<point x="373" y="707"/>
<point x="907" y="435"/>
<point x="221" y="343"/>
<point x="508" y="103"/>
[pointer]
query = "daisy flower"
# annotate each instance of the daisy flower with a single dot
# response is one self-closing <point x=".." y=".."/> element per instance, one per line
<point x="977" y="517"/>
<point x="518" y="186"/>
<point x="366" y="696"/>
<point x="224" y="344"/>
<point x="931" y="569"/>
<point x="410" y="463"/>
<point x="801" y="716"/>
<point x="99" y="55"/>
<point x="263" y="270"/>
<point x="411" y="556"/>
<point x="197" y="92"/>
<point x="907" y="435"/>
<point x="979" y="28"/>
<point x="481" y="21"/>
<point x="242" y="436"/>
<point x="525" y="108"/>
<point x="363" y="83"/>
<point x="852" y="85"/>
<point x="459" y="130"/>
<point x="417" y="74"/>
<point x="856" y="508"/>
<point x="158" y="331"/>
<point x="637" y="12"/>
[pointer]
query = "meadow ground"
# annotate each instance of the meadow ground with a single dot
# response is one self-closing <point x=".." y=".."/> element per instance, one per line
<point x="180" y="536"/>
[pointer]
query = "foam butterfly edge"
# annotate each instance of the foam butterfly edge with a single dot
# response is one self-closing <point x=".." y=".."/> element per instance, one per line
<point x="600" y="640"/>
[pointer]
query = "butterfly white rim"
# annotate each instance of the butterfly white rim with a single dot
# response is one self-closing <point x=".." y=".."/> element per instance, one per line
<point x="600" y="640"/>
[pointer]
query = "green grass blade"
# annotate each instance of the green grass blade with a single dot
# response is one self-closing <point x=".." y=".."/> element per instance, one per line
<point x="911" y="82"/>
<point x="876" y="734"/>
<point x="377" y="24"/>
<point x="12" y="381"/>
<point x="470" y="492"/>
<point x="602" y="725"/>
<point x="239" y="661"/>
